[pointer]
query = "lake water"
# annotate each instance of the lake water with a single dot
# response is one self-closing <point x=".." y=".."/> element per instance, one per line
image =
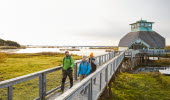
<point x="83" y="51"/>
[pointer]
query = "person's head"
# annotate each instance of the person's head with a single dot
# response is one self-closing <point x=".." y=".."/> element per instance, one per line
<point x="66" y="53"/>
<point x="91" y="55"/>
<point x="84" y="58"/>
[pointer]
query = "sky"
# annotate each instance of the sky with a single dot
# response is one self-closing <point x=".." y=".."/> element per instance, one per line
<point x="79" y="22"/>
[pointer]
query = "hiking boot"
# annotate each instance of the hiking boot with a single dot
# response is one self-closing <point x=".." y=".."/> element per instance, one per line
<point x="71" y="86"/>
<point x="61" y="91"/>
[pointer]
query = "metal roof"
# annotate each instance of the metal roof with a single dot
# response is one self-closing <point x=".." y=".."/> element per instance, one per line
<point x="153" y="39"/>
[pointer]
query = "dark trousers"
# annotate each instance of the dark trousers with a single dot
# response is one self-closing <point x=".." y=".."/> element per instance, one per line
<point x="66" y="73"/>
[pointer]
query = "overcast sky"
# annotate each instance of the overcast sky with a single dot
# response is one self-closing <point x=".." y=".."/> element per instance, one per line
<point x="79" y="22"/>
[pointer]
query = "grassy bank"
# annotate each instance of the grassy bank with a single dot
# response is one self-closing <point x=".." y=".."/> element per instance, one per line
<point x="21" y="64"/>
<point x="142" y="86"/>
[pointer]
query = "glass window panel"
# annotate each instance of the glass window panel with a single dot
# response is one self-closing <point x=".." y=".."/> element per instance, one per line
<point x="149" y="24"/>
<point x="142" y="24"/>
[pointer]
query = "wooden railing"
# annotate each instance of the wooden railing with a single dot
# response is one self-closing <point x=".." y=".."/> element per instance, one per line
<point x="42" y="78"/>
<point x="92" y="86"/>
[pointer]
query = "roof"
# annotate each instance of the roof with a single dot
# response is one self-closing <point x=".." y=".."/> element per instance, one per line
<point x="141" y="21"/>
<point x="153" y="39"/>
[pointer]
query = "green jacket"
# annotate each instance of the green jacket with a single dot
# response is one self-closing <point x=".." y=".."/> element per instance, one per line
<point x="68" y="62"/>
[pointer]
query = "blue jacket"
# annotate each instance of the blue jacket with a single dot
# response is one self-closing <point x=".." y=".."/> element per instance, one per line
<point x="84" y="68"/>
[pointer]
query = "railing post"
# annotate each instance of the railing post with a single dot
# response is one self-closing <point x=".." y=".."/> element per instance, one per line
<point x="10" y="89"/>
<point x="110" y="55"/>
<point x="99" y="60"/>
<point x="100" y="81"/>
<point x="102" y="59"/>
<point x="113" y="63"/>
<point x="91" y="91"/>
<point x="106" y="57"/>
<point x="42" y="86"/>
<point x="75" y="72"/>
<point x="111" y="69"/>
<point x="106" y="74"/>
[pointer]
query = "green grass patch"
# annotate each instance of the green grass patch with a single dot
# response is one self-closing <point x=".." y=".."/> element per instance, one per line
<point x="21" y="64"/>
<point x="142" y="86"/>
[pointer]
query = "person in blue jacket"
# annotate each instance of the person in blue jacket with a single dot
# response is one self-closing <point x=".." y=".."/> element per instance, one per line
<point x="84" y="68"/>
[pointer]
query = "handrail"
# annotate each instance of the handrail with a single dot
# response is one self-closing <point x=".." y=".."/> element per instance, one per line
<point x="72" y="93"/>
<point x="42" y="77"/>
<point x="20" y="79"/>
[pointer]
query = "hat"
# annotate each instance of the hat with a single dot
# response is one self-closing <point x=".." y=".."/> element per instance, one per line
<point x="91" y="55"/>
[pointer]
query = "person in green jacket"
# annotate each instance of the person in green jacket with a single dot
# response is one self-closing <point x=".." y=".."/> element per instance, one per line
<point x="67" y="70"/>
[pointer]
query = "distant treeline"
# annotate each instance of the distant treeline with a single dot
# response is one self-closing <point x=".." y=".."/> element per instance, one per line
<point x="9" y="43"/>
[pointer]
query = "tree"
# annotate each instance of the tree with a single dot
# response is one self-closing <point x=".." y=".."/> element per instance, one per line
<point x="2" y="42"/>
<point x="12" y="43"/>
<point x="9" y="43"/>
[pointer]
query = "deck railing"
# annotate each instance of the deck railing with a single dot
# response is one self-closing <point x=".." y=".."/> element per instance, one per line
<point x="92" y="86"/>
<point x="42" y="80"/>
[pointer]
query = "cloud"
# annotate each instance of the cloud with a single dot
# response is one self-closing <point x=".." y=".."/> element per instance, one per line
<point x="80" y="21"/>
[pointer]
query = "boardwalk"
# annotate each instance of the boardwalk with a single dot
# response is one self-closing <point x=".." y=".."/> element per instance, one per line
<point x="91" y="87"/>
<point x="84" y="94"/>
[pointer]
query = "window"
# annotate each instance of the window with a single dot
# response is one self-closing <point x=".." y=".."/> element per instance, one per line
<point x="146" y="24"/>
<point x="136" y="25"/>
<point x="141" y="24"/>
<point x="133" y="26"/>
<point x="149" y="24"/>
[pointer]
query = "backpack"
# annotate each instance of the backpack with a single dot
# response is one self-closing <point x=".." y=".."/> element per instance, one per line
<point x="95" y="61"/>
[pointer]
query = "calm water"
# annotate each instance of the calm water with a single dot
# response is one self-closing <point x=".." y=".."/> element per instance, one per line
<point x="83" y="51"/>
<point x="152" y="69"/>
